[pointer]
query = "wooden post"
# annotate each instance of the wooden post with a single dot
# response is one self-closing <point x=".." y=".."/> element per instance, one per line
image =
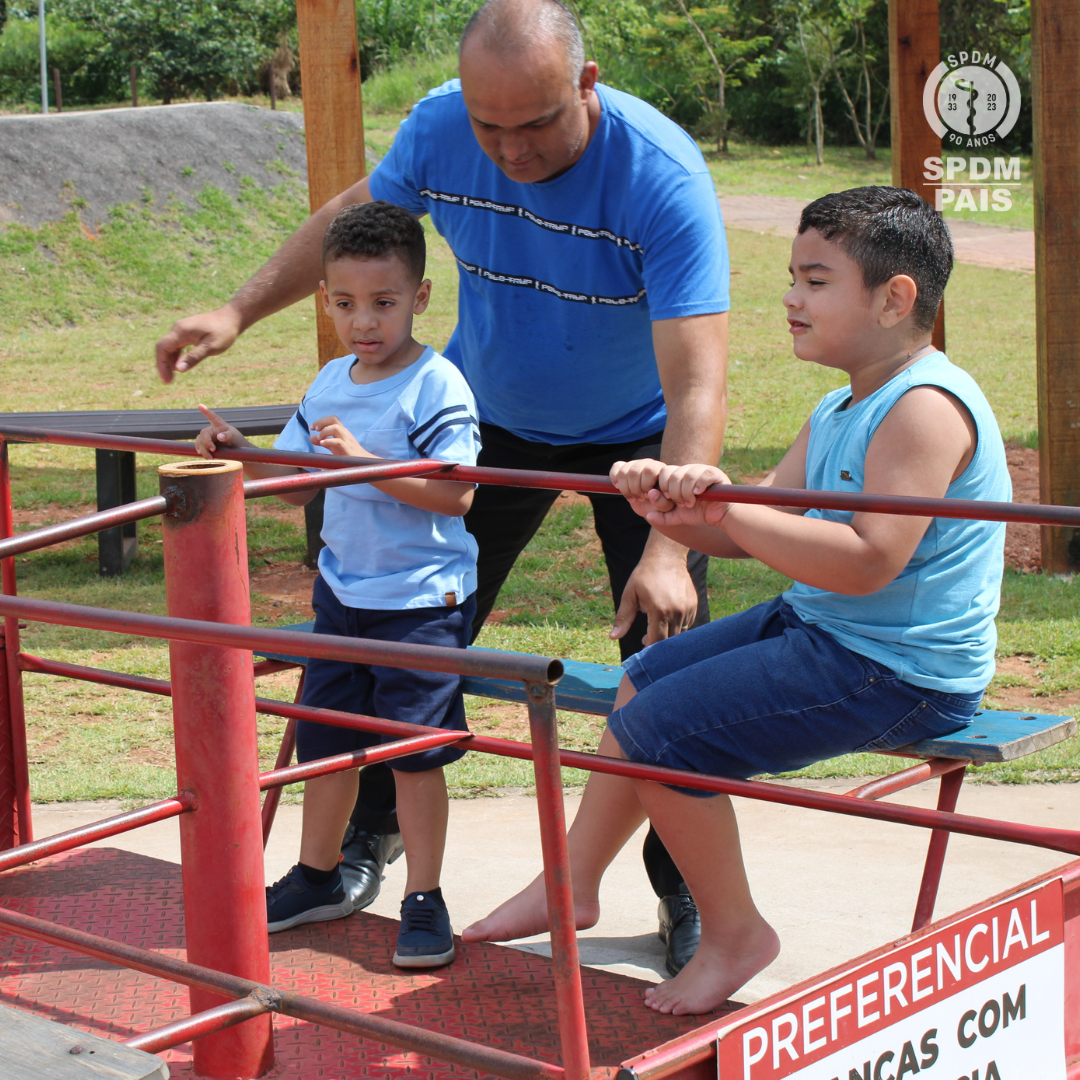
<point x="56" y="90"/>
<point x="333" y="123"/>
<point x="334" y="132"/>
<point x="914" y="52"/>
<point x="1055" y="88"/>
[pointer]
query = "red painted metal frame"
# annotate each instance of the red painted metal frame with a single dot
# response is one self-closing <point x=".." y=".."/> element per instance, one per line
<point x="829" y="500"/>
<point x="16" y="813"/>
<point x="199" y="647"/>
<point x="1014" y="832"/>
<point x="204" y="548"/>
<point x="218" y="983"/>
<point x="354" y="759"/>
<point x="83" y="526"/>
<point x="204" y="1023"/>
<point x="98" y="830"/>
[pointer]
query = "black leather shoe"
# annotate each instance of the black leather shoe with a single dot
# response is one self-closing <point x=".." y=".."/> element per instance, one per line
<point x="680" y="929"/>
<point x="364" y="856"/>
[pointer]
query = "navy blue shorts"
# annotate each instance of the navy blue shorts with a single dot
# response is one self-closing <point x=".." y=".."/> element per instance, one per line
<point x="764" y="692"/>
<point x="431" y="698"/>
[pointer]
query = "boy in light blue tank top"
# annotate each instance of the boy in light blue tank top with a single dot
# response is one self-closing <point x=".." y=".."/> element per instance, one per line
<point x="887" y="633"/>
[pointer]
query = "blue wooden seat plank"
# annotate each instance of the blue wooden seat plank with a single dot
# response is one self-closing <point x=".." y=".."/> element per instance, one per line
<point x="590" y="688"/>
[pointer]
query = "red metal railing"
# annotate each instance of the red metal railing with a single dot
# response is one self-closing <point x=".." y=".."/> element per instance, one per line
<point x="200" y="645"/>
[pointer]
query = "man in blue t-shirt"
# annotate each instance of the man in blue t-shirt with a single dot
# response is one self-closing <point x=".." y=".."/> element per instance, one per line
<point x="593" y="292"/>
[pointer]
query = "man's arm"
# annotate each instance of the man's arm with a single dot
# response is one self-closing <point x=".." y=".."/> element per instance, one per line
<point x="293" y="272"/>
<point x="691" y="357"/>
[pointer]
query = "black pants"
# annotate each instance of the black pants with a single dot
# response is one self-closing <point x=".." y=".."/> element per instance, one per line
<point x="504" y="519"/>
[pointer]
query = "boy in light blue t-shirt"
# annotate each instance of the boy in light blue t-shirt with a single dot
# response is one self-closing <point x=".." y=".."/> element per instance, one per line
<point x="398" y="564"/>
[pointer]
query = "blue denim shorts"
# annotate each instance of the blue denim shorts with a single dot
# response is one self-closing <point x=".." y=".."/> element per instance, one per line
<point x="764" y="692"/>
<point x="432" y="698"/>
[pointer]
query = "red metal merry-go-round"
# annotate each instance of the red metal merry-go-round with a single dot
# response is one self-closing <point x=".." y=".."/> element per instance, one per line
<point x="105" y="942"/>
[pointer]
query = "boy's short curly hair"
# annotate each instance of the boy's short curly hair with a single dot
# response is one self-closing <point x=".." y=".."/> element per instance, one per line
<point x="373" y="230"/>
<point x="888" y="231"/>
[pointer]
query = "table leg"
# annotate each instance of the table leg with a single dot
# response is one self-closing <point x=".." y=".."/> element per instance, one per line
<point x="115" y="487"/>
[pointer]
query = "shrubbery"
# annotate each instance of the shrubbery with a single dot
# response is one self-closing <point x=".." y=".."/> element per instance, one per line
<point x="773" y="70"/>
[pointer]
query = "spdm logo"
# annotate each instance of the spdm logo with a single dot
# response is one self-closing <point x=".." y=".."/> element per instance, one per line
<point x="971" y="99"/>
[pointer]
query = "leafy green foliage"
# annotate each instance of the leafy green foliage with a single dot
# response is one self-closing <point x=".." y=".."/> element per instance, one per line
<point x="185" y="47"/>
<point x="69" y="46"/>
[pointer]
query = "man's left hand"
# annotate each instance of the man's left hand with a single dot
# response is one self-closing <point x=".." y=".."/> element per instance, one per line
<point x="661" y="587"/>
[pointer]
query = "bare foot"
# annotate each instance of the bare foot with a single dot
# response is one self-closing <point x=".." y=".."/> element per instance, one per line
<point x="712" y="976"/>
<point x="526" y="914"/>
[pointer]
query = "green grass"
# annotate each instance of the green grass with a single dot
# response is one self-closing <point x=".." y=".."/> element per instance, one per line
<point x="78" y="319"/>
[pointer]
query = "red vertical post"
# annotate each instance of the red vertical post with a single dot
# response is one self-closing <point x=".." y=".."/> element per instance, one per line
<point x="569" y="999"/>
<point x="217" y="759"/>
<point x="948" y="793"/>
<point x="15" y="821"/>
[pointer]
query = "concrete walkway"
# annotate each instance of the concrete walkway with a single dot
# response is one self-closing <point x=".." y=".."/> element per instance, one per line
<point x="833" y="886"/>
<point x="998" y="246"/>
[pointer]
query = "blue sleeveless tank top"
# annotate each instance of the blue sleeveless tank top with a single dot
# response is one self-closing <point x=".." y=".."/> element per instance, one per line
<point x="934" y="624"/>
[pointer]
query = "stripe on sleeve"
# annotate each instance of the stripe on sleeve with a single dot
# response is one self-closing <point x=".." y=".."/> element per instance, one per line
<point x="421" y="428"/>
<point x="431" y="436"/>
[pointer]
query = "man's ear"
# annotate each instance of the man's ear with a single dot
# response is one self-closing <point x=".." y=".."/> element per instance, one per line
<point x="897" y="297"/>
<point x="590" y="75"/>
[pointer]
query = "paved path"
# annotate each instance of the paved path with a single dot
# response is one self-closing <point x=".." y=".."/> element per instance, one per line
<point x="999" y="246"/>
<point x="833" y="886"/>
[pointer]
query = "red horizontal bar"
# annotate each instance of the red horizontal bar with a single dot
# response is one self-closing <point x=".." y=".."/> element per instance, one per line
<point x="1031" y="513"/>
<point x="906" y="778"/>
<point x="204" y="1023"/>
<point x="82" y="526"/>
<point x="340" y="762"/>
<point x="368" y="1026"/>
<point x="98" y="830"/>
<point x="366" y="474"/>
<point x="911" y="505"/>
<point x="1032" y="835"/>
<point x="353" y="650"/>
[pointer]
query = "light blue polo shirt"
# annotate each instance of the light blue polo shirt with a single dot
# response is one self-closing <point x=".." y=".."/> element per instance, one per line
<point x="560" y="281"/>
<point x="381" y="553"/>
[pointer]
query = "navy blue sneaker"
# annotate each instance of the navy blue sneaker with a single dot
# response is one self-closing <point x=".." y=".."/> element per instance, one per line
<point x="425" y="938"/>
<point x="294" y="900"/>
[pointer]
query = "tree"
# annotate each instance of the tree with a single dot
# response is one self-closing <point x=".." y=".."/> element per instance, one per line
<point x="703" y="52"/>
<point x="186" y="47"/>
<point x="845" y="28"/>
<point x="815" y="61"/>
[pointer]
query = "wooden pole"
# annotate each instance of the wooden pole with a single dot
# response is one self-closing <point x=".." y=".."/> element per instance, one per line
<point x="333" y="123"/>
<point x="56" y="90"/>
<point x="914" y="52"/>
<point x="1055" y="88"/>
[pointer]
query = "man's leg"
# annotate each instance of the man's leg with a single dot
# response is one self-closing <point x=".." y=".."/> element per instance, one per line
<point x="502" y="520"/>
<point x="623" y="535"/>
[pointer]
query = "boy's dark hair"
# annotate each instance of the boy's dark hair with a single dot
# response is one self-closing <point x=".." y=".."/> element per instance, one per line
<point x="888" y="231"/>
<point x="372" y="230"/>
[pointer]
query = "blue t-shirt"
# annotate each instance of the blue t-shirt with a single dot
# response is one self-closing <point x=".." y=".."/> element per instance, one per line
<point x="934" y="624"/>
<point x="381" y="553"/>
<point x="560" y="281"/>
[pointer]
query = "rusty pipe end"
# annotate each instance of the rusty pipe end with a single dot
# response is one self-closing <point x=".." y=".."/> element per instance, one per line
<point x="183" y="469"/>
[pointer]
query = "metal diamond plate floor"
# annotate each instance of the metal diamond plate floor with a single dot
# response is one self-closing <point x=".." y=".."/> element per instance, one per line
<point x="499" y="996"/>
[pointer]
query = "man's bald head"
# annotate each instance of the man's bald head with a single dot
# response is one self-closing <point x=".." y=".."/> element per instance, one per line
<point x="511" y="29"/>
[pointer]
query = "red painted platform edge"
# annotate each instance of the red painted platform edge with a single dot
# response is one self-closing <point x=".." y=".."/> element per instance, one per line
<point x="692" y="1056"/>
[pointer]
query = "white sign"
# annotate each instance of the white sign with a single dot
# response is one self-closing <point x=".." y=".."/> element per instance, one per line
<point x="980" y="998"/>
